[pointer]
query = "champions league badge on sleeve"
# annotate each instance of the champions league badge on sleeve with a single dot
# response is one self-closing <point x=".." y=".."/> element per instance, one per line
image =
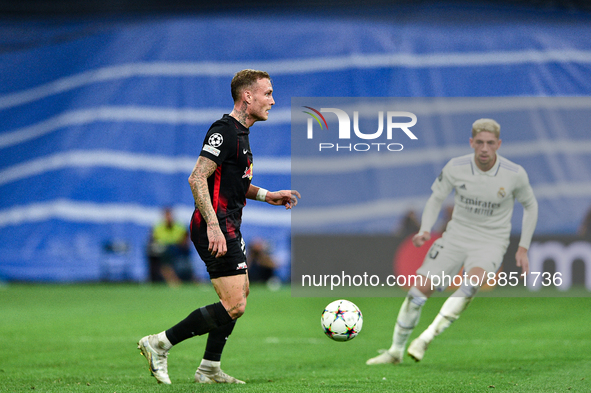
<point x="213" y="142"/>
<point x="216" y="140"/>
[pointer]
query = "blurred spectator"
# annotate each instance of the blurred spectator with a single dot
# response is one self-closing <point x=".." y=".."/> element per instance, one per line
<point x="585" y="227"/>
<point x="409" y="225"/>
<point x="168" y="252"/>
<point x="261" y="266"/>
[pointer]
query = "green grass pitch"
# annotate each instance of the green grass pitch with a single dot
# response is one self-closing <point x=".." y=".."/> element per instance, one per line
<point x="82" y="338"/>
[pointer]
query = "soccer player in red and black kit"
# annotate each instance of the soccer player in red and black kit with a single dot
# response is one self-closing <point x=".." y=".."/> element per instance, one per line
<point x="221" y="183"/>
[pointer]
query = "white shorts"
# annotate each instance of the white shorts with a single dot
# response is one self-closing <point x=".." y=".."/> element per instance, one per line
<point x="447" y="258"/>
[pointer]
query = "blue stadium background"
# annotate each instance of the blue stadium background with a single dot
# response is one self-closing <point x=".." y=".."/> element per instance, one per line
<point x="102" y="114"/>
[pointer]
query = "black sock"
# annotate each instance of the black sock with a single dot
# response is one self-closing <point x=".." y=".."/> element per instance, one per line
<point x="216" y="341"/>
<point x="200" y="321"/>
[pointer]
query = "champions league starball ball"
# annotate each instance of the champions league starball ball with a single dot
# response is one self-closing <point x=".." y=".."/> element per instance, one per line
<point x="341" y="320"/>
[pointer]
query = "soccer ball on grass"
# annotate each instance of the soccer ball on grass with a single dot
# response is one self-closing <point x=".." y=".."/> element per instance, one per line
<point x="341" y="320"/>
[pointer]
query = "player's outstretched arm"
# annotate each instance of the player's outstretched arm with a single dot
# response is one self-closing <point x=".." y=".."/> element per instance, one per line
<point x="522" y="259"/>
<point x="287" y="198"/>
<point x="430" y="213"/>
<point x="198" y="181"/>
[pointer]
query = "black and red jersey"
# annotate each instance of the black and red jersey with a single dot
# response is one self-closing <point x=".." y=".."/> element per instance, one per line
<point x="227" y="144"/>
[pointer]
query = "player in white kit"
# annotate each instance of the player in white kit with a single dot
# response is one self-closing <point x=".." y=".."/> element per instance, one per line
<point x="486" y="186"/>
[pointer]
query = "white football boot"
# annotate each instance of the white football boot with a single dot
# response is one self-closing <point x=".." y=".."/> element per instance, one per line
<point x="417" y="348"/>
<point x="156" y="356"/>
<point x="385" y="357"/>
<point x="214" y="376"/>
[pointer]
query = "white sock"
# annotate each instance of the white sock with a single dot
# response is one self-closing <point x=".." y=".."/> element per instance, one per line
<point x="209" y="365"/>
<point x="450" y="311"/>
<point x="408" y="317"/>
<point x="163" y="341"/>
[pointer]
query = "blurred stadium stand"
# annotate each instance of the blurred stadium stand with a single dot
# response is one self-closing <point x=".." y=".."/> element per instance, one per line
<point x="104" y="104"/>
<point x="101" y="6"/>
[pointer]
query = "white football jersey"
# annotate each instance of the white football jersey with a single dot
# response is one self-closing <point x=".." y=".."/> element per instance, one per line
<point x="484" y="201"/>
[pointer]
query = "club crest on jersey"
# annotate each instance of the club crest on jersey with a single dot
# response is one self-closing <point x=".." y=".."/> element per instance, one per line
<point x="215" y="140"/>
<point x="501" y="193"/>
<point x="248" y="172"/>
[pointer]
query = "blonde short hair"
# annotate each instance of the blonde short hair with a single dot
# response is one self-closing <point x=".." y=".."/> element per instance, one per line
<point x="244" y="79"/>
<point x="486" y="125"/>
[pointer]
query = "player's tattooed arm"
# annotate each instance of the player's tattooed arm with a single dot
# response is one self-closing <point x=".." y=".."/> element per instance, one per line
<point x="198" y="181"/>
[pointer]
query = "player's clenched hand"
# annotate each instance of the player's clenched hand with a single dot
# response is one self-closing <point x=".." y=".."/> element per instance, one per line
<point x="522" y="259"/>
<point x="420" y="238"/>
<point x="217" y="241"/>
<point x="287" y="198"/>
